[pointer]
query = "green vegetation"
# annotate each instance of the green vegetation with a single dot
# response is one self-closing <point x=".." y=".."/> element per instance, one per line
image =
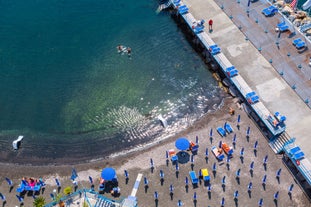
<point x="39" y="202"/>
<point x="68" y="190"/>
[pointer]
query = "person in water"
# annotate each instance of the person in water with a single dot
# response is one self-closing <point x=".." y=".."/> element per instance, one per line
<point x="129" y="51"/>
<point x="120" y="48"/>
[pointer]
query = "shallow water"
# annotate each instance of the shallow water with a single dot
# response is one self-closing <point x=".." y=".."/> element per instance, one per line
<point x="65" y="87"/>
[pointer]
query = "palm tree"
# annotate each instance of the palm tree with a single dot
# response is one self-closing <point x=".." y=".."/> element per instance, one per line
<point x="39" y="202"/>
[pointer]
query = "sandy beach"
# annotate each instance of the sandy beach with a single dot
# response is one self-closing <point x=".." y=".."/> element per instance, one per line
<point x="139" y="162"/>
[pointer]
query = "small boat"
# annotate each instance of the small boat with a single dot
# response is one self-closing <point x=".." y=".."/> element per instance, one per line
<point x="162" y="120"/>
<point x="306" y="5"/>
<point x="16" y="143"/>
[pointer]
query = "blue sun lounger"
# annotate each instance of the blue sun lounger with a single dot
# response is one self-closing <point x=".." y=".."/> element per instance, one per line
<point x="183" y="9"/>
<point x="270" y="11"/>
<point x="283" y="28"/>
<point x="232" y="71"/>
<point x="299" y="155"/>
<point x="198" y="29"/>
<point x="294" y="150"/>
<point x="300" y="45"/>
<point x="296" y="41"/>
<point x="221" y="131"/>
<point x="250" y="94"/>
<point x="228" y="128"/>
<point x="253" y="99"/>
<point x="214" y="49"/>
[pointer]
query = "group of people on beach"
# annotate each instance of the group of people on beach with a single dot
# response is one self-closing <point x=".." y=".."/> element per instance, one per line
<point x="122" y="49"/>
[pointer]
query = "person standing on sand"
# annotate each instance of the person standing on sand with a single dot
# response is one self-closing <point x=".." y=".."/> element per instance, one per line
<point x="210" y="25"/>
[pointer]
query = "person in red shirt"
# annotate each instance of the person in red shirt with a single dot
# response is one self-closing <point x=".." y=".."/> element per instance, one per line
<point x="210" y="24"/>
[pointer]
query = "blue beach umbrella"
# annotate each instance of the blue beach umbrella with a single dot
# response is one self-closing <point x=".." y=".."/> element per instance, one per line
<point x="179" y="203"/>
<point x="126" y="174"/>
<point x="236" y="194"/>
<point x="194" y="196"/>
<point x="250" y="186"/>
<point x="222" y="202"/>
<point x="260" y="202"/>
<point x="108" y="174"/>
<point x="290" y="189"/>
<point x="74" y="174"/>
<point x="57" y="182"/>
<point x="209" y="188"/>
<point x="264" y="179"/>
<point x="255" y="145"/>
<point x="166" y="154"/>
<point x="248" y="131"/>
<point x="186" y="181"/>
<point x="238" y="172"/>
<point x="278" y="173"/>
<point x="192" y="159"/>
<point x="242" y="151"/>
<point x="265" y="160"/>
<point x="151" y="162"/>
<point x="177" y="167"/>
<point x="211" y="133"/>
<point x="182" y="143"/>
<point x="206" y="152"/>
<point x="234" y="139"/>
<point x="2" y="197"/>
<point x="161" y="174"/>
<point x="223" y="180"/>
<point x="239" y="118"/>
<point x="171" y="188"/>
<point x="19" y="198"/>
<point x="197" y="139"/>
<point x="91" y="180"/>
<point x="276" y="195"/>
<point x="10" y="183"/>
<point x="251" y="166"/>
<point x="214" y="167"/>
<point x="156" y="195"/>
<point x="146" y="181"/>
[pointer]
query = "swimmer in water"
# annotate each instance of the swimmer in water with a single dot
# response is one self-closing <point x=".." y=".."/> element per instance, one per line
<point x="129" y="51"/>
<point x="120" y="48"/>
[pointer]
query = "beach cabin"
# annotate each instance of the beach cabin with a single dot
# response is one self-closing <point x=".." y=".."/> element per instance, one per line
<point x="194" y="178"/>
<point x="228" y="150"/>
<point x="205" y="175"/>
<point x="218" y="153"/>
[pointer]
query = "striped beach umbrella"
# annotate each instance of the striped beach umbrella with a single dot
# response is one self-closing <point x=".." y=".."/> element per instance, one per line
<point x="91" y="180"/>
<point x="192" y="159"/>
<point x="151" y="162"/>
<point x="20" y="199"/>
<point x="179" y="203"/>
<point x="177" y="167"/>
<point x="2" y="197"/>
<point x="209" y="188"/>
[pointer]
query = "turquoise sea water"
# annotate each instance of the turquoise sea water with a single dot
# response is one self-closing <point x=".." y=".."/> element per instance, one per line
<point x="67" y="90"/>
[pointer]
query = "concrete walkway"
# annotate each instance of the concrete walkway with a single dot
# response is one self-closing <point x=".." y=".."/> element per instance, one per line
<point x="273" y="91"/>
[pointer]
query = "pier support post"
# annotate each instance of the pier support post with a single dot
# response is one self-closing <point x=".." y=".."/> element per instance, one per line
<point x="294" y="86"/>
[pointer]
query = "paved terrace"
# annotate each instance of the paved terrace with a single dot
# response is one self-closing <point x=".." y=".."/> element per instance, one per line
<point x="258" y="72"/>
